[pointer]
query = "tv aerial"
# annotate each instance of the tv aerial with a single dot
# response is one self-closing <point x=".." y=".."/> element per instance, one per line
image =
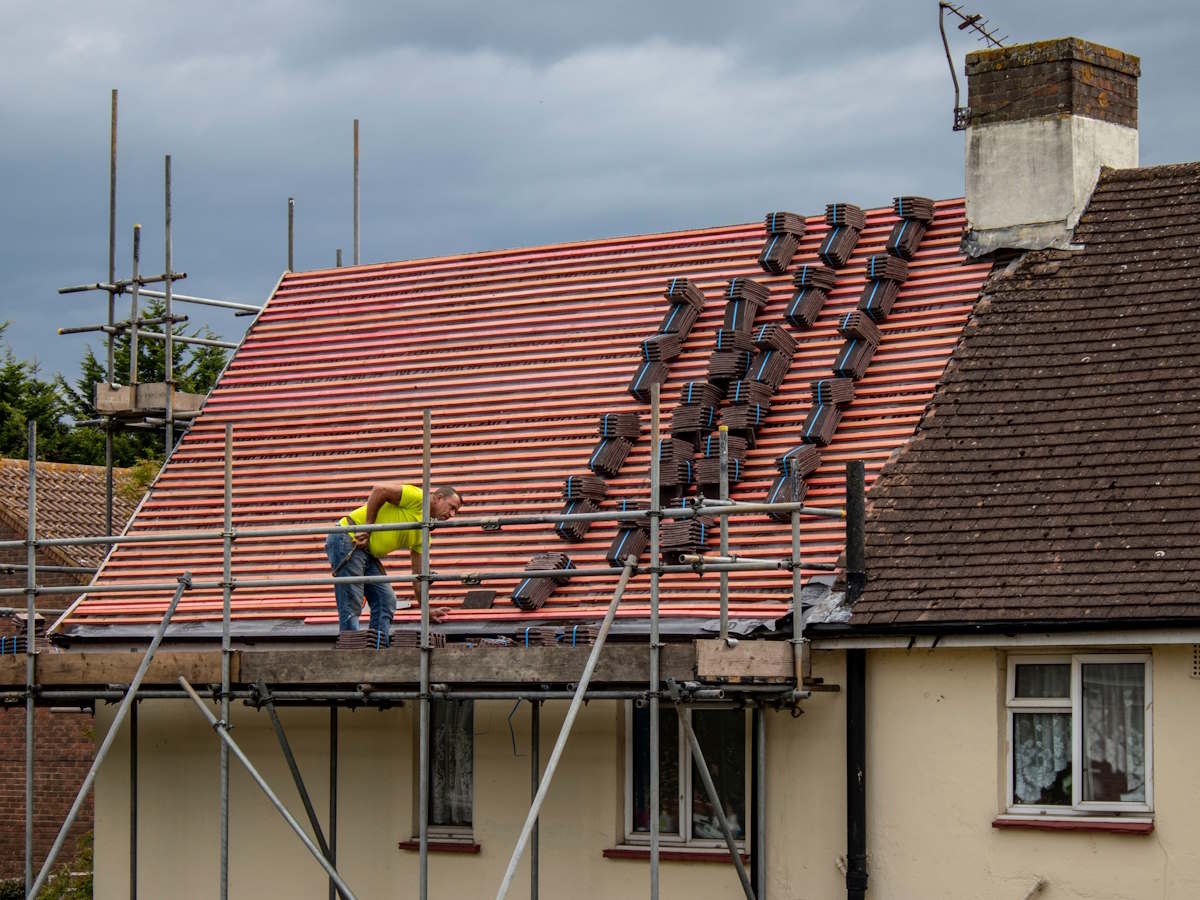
<point x="986" y="34"/>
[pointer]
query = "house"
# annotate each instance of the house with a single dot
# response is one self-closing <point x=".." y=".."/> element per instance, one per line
<point x="1013" y="577"/>
<point x="71" y="502"/>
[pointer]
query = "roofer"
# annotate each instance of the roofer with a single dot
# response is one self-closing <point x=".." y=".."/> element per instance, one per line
<point x="352" y="554"/>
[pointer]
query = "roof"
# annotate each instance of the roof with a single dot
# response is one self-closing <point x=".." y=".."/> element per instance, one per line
<point x="517" y="353"/>
<point x="1056" y="475"/>
<point x="70" y="503"/>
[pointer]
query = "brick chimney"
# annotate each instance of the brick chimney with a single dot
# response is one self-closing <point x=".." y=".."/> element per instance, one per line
<point x="1043" y="119"/>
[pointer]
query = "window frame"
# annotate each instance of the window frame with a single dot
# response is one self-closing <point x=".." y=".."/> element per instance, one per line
<point x="683" y="838"/>
<point x="444" y="832"/>
<point x="1074" y="704"/>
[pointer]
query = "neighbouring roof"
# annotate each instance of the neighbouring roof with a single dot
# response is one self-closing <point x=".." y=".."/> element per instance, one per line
<point x="517" y="353"/>
<point x="70" y="503"/>
<point x="1056" y="474"/>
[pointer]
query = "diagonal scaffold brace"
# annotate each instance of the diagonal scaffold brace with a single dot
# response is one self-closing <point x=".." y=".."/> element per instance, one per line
<point x="565" y="732"/>
<point x="185" y="582"/>
<point x="222" y="730"/>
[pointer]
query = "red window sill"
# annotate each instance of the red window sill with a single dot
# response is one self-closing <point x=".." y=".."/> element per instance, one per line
<point x="1072" y="824"/>
<point x="713" y="856"/>
<point x="441" y="846"/>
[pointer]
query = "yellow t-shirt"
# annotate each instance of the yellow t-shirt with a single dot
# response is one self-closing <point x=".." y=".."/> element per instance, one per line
<point x="407" y="510"/>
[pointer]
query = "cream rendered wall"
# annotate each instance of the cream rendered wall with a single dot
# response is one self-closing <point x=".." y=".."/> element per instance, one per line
<point x="934" y="785"/>
<point x="935" y="745"/>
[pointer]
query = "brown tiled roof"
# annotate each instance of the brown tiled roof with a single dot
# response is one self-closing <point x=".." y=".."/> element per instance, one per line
<point x="1056" y="473"/>
<point x="70" y="503"/>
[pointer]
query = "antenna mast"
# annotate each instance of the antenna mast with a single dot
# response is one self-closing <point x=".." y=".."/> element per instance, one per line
<point x="967" y="21"/>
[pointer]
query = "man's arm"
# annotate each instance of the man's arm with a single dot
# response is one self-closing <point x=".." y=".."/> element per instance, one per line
<point x="380" y="494"/>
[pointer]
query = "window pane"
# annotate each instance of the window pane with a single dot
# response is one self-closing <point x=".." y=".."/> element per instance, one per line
<point x="722" y="736"/>
<point x="1042" y="759"/>
<point x="668" y="762"/>
<point x="1041" y="680"/>
<point x="451" y="761"/>
<point x="1114" y="732"/>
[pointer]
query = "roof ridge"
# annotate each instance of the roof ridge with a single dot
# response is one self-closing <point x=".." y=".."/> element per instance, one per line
<point x="1138" y="173"/>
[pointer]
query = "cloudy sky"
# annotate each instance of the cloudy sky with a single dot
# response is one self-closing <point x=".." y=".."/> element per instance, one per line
<point x="484" y="125"/>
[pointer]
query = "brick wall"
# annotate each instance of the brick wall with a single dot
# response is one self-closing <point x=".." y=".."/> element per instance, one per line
<point x="1063" y="77"/>
<point x="63" y="747"/>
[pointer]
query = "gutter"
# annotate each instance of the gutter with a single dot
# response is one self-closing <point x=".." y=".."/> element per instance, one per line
<point x="1033" y="634"/>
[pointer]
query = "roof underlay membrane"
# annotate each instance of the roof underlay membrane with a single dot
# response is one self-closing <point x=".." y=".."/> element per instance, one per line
<point x="516" y="353"/>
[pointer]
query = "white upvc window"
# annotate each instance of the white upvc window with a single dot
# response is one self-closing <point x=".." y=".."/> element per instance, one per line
<point x="724" y="737"/>
<point x="1079" y="736"/>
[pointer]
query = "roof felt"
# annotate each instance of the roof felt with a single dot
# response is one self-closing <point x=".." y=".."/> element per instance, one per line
<point x="1056" y="474"/>
<point x="516" y="353"/>
<point x="70" y="503"/>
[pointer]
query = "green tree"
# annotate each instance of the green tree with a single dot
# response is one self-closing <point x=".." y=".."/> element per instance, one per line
<point x="25" y="396"/>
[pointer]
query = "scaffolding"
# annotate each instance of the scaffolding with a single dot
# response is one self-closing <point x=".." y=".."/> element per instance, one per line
<point x="789" y="693"/>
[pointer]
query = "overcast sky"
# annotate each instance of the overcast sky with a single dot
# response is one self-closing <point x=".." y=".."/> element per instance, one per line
<point x="483" y="124"/>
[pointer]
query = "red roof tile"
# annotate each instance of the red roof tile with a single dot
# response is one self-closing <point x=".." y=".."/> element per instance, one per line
<point x="516" y="353"/>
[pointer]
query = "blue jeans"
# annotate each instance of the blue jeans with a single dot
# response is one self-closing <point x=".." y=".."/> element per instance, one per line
<point x="350" y="561"/>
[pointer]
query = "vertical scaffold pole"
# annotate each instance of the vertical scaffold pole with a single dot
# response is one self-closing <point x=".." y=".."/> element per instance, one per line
<point x="655" y="774"/>
<point x="30" y="647"/>
<point x="133" y="801"/>
<point x="800" y="657"/>
<point x="333" y="795"/>
<point x="291" y="232"/>
<point x="112" y="300"/>
<point x="133" y="310"/>
<point x="169" y="325"/>
<point x="535" y="780"/>
<point x="355" y="193"/>
<point x="423" y="750"/>
<point x="760" y="801"/>
<point x="226" y="652"/>
<point x="724" y="438"/>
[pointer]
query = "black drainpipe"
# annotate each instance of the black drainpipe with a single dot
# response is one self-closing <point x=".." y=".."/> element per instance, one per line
<point x="856" y="693"/>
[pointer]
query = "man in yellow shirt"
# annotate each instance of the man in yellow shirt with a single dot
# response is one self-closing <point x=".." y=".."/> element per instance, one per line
<point x="355" y="555"/>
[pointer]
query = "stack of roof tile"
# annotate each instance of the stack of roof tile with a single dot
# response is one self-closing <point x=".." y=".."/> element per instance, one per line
<point x="778" y="251"/>
<point x="534" y="590"/>
<point x="743" y="298"/>
<point x="846" y="222"/>
<point x="708" y="467"/>
<point x="819" y="426"/>
<point x="630" y="506"/>
<point x="915" y="215"/>
<point x="861" y="340"/>
<point x="18" y="641"/>
<point x="661" y="347"/>
<point x="885" y="274"/>
<point x="409" y="638"/>
<point x="681" y="292"/>
<point x="629" y="541"/>
<point x="700" y="393"/>
<point x="575" y="529"/>
<point x="648" y="374"/>
<point x="728" y="365"/>
<point x="786" y="489"/>
<point x="691" y="423"/>
<point x="774" y="337"/>
<point x="730" y="339"/>
<point x="784" y="223"/>
<point x="675" y="462"/>
<point x="684" y="536"/>
<point x="770" y="367"/>
<point x="838" y="391"/>
<point x="744" y="419"/>
<point x="813" y="284"/>
<point x="749" y="391"/>
<point x="618" y="431"/>
<point x="363" y="639"/>
<point x="577" y="635"/>
<point x="584" y="487"/>
<point x="537" y="636"/>
<point x="679" y="320"/>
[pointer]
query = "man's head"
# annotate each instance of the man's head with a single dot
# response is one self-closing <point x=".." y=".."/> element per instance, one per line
<point x="444" y="502"/>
